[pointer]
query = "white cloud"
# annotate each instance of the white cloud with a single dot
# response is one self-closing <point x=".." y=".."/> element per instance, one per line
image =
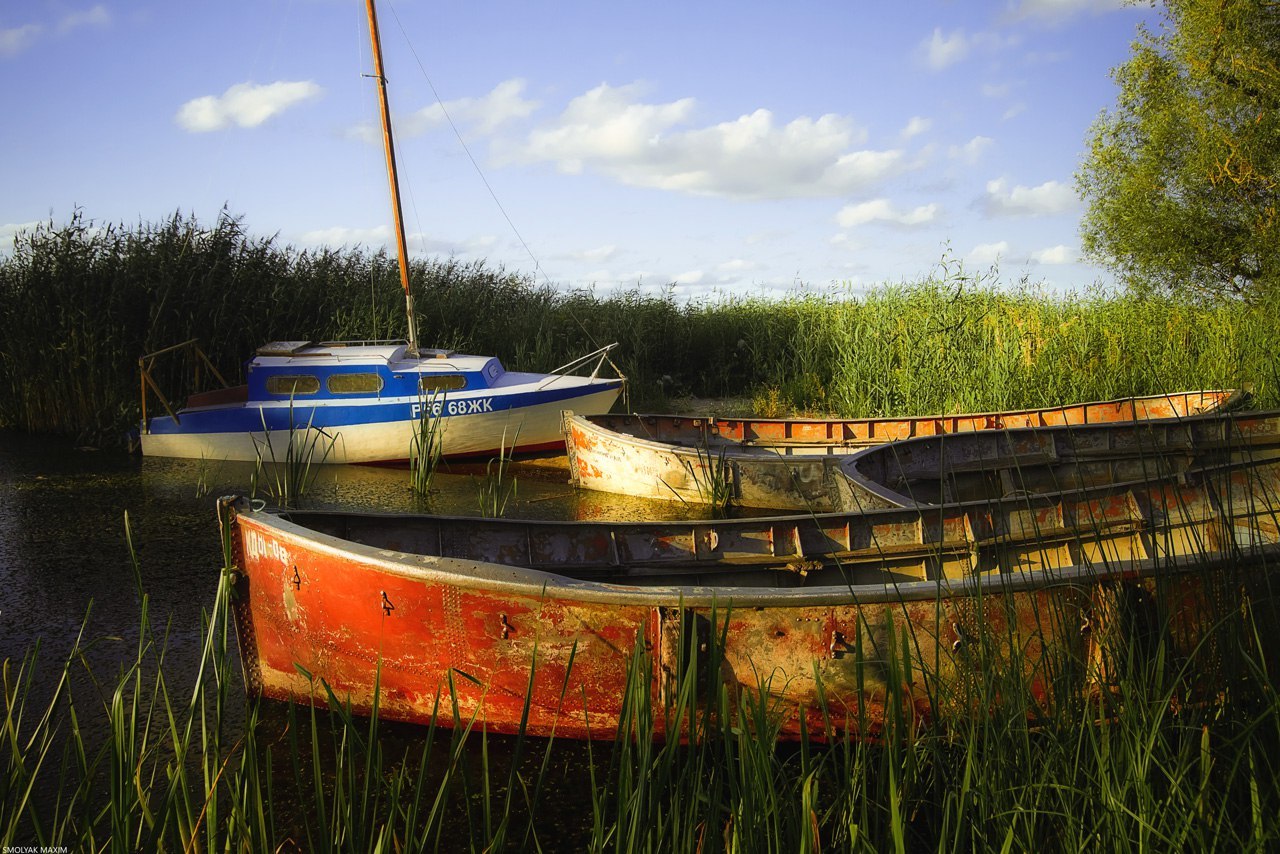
<point x="343" y="236"/>
<point x="940" y="51"/>
<point x="1051" y="197"/>
<point x="609" y="130"/>
<point x="971" y="152"/>
<point x="880" y="210"/>
<point x="604" y="126"/>
<point x="1057" y="11"/>
<point x="98" y="16"/>
<point x="14" y="41"/>
<point x="1015" y="110"/>
<point x="692" y="277"/>
<point x="11" y="230"/>
<point x="244" y="104"/>
<point x="915" y="127"/>
<point x="1052" y="255"/>
<point x="600" y="253"/>
<point x="382" y="235"/>
<point x="985" y="254"/>
<point x="996" y="90"/>
<point x="505" y="103"/>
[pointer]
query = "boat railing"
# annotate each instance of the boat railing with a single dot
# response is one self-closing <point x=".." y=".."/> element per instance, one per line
<point x="601" y="356"/>
<point x="147" y="365"/>
<point x="365" y="342"/>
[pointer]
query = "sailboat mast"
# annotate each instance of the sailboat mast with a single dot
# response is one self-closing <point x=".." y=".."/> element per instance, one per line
<point x="402" y="248"/>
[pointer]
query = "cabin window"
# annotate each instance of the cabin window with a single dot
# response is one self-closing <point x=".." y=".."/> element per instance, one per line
<point x="354" y="383"/>
<point x="442" y="382"/>
<point x="295" y="384"/>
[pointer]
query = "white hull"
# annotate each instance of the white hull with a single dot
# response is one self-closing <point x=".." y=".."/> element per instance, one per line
<point x="528" y="428"/>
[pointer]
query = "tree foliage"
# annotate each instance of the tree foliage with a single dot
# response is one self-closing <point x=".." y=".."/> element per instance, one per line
<point x="1182" y="178"/>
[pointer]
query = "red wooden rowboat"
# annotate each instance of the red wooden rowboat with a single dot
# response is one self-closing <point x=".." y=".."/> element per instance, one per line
<point x="778" y="463"/>
<point x="820" y="614"/>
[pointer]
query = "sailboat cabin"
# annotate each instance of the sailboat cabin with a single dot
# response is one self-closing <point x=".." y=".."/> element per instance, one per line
<point x="301" y="370"/>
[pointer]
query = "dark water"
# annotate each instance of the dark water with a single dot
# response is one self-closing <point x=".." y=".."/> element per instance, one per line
<point x="66" y="571"/>
<point x="63" y="547"/>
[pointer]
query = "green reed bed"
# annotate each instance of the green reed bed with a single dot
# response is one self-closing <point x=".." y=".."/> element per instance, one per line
<point x="79" y="303"/>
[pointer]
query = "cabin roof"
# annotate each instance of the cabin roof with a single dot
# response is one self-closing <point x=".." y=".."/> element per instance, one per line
<point x="390" y="353"/>
<point x="332" y="349"/>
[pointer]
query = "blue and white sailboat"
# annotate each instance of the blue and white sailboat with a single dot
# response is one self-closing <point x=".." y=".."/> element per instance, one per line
<point x="363" y="402"/>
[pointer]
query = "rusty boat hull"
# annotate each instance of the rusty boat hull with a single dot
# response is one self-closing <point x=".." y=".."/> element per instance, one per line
<point x="793" y="464"/>
<point x="537" y="626"/>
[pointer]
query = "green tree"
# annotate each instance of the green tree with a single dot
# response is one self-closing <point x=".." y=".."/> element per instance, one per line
<point x="1182" y="178"/>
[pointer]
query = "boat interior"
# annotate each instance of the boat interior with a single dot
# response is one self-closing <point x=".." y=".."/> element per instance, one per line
<point x="800" y="436"/>
<point x="1211" y="513"/>
<point x="998" y="464"/>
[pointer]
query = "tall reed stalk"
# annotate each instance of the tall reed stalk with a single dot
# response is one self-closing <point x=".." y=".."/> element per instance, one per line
<point x="306" y="448"/>
<point x="712" y="476"/>
<point x="496" y="489"/>
<point x="426" y="447"/>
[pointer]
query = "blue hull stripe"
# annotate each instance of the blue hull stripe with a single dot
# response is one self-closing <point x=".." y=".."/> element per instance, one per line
<point x="249" y="417"/>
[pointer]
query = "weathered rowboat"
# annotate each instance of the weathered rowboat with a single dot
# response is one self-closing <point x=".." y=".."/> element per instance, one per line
<point x="817" y="615"/>
<point x="678" y="458"/>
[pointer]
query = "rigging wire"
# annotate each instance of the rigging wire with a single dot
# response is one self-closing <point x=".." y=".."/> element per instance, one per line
<point x="537" y="265"/>
<point x="466" y="150"/>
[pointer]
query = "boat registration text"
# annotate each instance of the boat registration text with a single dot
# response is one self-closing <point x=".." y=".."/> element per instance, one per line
<point x="451" y="407"/>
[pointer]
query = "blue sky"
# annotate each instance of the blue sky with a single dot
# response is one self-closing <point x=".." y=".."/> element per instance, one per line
<point x="743" y="148"/>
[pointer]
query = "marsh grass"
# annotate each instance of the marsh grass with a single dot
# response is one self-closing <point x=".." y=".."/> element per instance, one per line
<point x="426" y="446"/>
<point x="207" y="472"/>
<point x="498" y="486"/>
<point x="306" y="447"/>
<point x="953" y="341"/>
<point x="712" y="476"/>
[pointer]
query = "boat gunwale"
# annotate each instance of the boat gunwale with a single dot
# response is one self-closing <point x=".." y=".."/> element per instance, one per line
<point x="1230" y="399"/>
<point x="527" y="581"/>
<point x="850" y="465"/>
